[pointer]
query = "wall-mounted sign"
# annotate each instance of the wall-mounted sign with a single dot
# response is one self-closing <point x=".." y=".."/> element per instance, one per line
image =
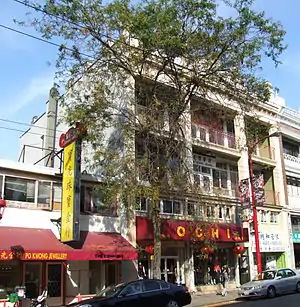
<point x="70" y="208"/>
<point x="269" y="242"/>
<point x="296" y="237"/>
<point x="204" y="160"/>
<point x="67" y="138"/>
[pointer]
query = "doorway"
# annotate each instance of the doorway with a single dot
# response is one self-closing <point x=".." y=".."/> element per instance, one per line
<point x="169" y="268"/>
<point x="54" y="281"/>
<point x="33" y="279"/>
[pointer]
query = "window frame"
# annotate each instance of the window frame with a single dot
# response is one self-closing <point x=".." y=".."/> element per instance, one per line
<point x="149" y="281"/>
<point x="172" y="201"/>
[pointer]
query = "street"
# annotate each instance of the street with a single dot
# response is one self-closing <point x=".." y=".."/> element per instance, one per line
<point x="289" y="300"/>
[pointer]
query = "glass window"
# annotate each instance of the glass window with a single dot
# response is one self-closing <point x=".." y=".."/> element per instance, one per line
<point x="171" y="207"/>
<point x="57" y="194"/>
<point x="44" y="190"/>
<point x="224" y="179"/>
<point x="210" y="211"/>
<point x="191" y="209"/>
<point x="141" y="204"/>
<point x="216" y="178"/>
<point x="220" y="212"/>
<point x="151" y="285"/>
<point x="9" y="276"/>
<point x="18" y="189"/>
<point x="102" y="203"/>
<point x="132" y="289"/>
<point x="289" y="273"/>
<point x="164" y="285"/>
<point x="263" y="216"/>
<point x="227" y="214"/>
<point x="274" y="217"/>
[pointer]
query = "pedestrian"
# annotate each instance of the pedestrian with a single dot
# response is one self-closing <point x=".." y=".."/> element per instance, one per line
<point x="141" y="271"/>
<point x="225" y="279"/>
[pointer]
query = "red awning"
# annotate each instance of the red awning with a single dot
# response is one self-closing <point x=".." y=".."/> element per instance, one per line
<point x="41" y="244"/>
<point x="102" y="246"/>
<point x="37" y="244"/>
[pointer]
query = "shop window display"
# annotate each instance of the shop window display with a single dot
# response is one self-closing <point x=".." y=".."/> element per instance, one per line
<point x="207" y="270"/>
<point x="10" y="273"/>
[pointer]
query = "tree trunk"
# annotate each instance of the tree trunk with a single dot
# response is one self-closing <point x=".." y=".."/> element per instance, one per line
<point x="156" y="235"/>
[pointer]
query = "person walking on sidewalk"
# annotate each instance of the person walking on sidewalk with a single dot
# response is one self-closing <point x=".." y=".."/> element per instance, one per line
<point x="225" y="279"/>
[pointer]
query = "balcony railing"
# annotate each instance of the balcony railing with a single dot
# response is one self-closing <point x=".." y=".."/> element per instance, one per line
<point x="292" y="158"/>
<point x="214" y="136"/>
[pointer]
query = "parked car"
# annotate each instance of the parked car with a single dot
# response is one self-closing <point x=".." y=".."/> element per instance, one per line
<point x="270" y="283"/>
<point x="140" y="293"/>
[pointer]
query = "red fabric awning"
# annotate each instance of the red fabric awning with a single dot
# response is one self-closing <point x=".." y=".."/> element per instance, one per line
<point x="41" y="244"/>
<point x="38" y="244"/>
<point x="102" y="246"/>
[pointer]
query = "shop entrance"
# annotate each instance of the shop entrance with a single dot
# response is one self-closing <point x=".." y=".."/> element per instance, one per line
<point x="54" y="280"/>
<point x="169" y="268"/>
<point x="33" y="279"/>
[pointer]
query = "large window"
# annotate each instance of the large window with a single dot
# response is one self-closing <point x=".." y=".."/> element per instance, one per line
<point x="9" y="276"/>
<point x="141" y="204"/>
<point x="170" y="207"/>
<point x="18" y="189"/>
<point x="44" y="190"/>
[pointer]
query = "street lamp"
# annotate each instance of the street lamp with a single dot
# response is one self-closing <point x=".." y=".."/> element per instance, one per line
<point x="255" y="221"/>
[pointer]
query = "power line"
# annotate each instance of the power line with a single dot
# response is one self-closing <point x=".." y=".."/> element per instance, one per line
<point x="42" y="40"/>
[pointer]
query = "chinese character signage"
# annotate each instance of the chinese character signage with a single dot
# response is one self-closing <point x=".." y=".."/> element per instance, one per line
<point x="244" y="193"/>
<point x="296" y="237"/>
<point x="269" y="242"/>
<point x="259" y="191"/>
<point x="71" y="193"/>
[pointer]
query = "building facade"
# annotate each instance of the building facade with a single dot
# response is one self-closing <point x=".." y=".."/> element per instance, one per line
<point x="219" y="146"/>
<point x="31" y="253"/>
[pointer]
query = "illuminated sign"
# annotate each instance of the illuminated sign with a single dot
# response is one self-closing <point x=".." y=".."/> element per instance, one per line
<point x="70" y="194"/>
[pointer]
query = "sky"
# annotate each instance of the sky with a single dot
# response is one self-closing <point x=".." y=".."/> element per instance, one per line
<point x="26" y="76"/>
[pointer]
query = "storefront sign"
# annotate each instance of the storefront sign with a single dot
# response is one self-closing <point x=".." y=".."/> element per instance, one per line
<point x="296" y="237"/>
<point x="71" y="255"/>
<point x="269" y="242"/>
<point x="204" y="160"/>
<point x="68" y="138"/>
<point x="70" y="194"/>
<point x="188" y="230"/>
<point x="5" y="255"/>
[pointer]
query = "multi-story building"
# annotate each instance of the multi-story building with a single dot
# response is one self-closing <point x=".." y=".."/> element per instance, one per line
<point x="30" y="226"/>
<point x="219" y="145"/>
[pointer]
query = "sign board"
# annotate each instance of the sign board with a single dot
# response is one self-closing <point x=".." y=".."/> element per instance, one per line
<point x="70" y="207"/>
<point x="296" y="237"/>
<point x="269" y="242"/>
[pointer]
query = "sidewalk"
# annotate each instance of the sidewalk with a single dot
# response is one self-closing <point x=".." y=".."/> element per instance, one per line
<point x="212" y="298"/>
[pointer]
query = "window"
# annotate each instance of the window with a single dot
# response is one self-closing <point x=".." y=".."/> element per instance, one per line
<point x="164" y="285"/>
<point x="57" y="194"/>
<point x="151" y="285"/>
<point x="220" y="179"/>
<point x="18" y="189"/>
<point x="171" y="207"/>
<point x="274" y="217"/>
<point x="221" y="213"/>
<point x="191" y="210"/>
<point x="289" y="273"/>
<point x="263" y="216"/>
<point x="227" y="214"/>
<point x="132" y="289"/>
<point x="141" y="204"/>
<point x="44" y="190"/>
<point x="210" y="211"/>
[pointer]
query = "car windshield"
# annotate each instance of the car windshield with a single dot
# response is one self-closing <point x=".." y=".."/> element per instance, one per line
<point x="110" y="290"/>
<point x="266" y="275"/>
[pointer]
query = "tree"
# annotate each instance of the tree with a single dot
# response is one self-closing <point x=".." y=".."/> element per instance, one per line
<point x="162" y="55"/>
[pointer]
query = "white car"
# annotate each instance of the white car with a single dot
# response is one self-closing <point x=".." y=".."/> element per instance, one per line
<point x="270" y="283"/>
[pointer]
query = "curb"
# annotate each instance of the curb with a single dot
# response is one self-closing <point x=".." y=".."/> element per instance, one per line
<point x="220" y="303"/>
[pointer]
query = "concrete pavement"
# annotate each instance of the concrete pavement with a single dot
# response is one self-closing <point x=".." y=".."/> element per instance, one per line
<point x="212" y="298"/>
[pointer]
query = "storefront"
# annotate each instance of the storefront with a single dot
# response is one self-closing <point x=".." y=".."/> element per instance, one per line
<point x="296" y="243"/>
<point x="182" y="260"/>
<point x="35" y="258"/>
<point x="272" y="251"/>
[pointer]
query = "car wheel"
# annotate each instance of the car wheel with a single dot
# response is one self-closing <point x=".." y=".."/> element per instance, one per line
<point x="298" y="287"/>
<point x="271" y="292"/>
<point x="173" y="304"/>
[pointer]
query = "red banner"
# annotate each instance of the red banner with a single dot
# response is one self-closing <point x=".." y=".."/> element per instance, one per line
<point x="191" y="230"/>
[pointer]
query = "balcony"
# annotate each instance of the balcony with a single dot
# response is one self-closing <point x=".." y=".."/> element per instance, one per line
<point x="264" y="152"/>
<point x="272" y="197"/>
<point x="213" y="136"/>
<point x="292" y="161"/>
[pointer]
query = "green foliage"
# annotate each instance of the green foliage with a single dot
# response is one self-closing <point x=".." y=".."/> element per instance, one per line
<point x="151" y="59"/>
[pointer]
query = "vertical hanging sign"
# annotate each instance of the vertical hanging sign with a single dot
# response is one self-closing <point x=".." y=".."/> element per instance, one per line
<point x="244" y="193"/>
<point x="70" y="207"/>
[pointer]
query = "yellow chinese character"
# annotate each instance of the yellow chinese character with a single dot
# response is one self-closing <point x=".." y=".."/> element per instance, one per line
<point x="3" y="255"/>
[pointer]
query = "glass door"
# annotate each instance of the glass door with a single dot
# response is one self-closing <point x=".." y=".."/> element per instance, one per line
<point x="33" y="279"/>
<point x="168" y="267"/>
